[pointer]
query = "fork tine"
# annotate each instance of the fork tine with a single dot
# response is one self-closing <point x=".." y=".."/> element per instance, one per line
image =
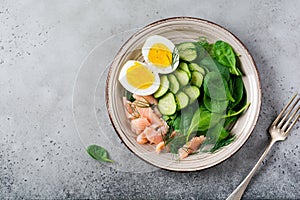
<point x="287" y="114"/>
<point x="291" y="126"/>
<point x="283" y="110"/>
<point x="289" y="120"/>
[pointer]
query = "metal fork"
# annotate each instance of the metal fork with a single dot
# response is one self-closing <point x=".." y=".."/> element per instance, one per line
<point x="278" y="130"/>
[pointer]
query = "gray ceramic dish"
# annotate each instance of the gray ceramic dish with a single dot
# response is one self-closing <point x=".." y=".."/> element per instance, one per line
<point x="180" y="29"/>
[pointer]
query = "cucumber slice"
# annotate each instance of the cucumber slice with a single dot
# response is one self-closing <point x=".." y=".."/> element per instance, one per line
<point x="182" y="100"/>
<point x="187" y="51"/>
<point x="163" y="88"/>
<point x="193" y="92"/>
<point x="197" y="79"/>
<point x="174" y="84"/>
<point x="185" y="68"/>
<point x="167" y="104"/>
<point x="182" y="77"/>
<point x="196" y="67"/>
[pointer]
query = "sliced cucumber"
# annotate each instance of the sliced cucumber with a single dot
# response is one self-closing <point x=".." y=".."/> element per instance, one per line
<point x="163" y="88"/>
<point x="182" y="100"/>
<point x="187" y="51"/>
<point x="193" y="93"/>
<point x="185" y="68"/>
<point x="167" y="104"/>
<point x="196" y="67"/>
<point x="182" y="77"/>
<point x="174" y="84"/>
<point x="197" y="79"/>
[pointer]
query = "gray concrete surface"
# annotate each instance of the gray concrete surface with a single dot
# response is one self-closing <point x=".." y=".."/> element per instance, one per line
<point x="43" y="43"/>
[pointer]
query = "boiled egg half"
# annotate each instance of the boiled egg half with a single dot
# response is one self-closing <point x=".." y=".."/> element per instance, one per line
<point x="160" y="53"/>
<point x="139" y="78"/>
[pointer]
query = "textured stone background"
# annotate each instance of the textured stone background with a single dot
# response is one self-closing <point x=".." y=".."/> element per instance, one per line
<point x="43" y="43"/>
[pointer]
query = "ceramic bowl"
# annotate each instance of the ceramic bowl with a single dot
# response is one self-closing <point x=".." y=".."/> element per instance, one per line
<point x="180" y="29"/>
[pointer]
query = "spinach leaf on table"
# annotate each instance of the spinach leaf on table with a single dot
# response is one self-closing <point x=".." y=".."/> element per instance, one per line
<point x="98" y="153"/>
<point x="225" y="55"/>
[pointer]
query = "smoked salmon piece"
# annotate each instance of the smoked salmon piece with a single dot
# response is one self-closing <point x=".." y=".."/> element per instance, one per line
<point x="138" y="125"/>
<point x="152" y="135"/>
<point x="150" y="116"/>
<point x="141" y="139"/>
<point x="146" y="121"/>
<point x="160" y="146"/>
<point x="192" y="146"/>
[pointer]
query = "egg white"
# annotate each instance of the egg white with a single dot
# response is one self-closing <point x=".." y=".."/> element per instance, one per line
<point x="143" y="92"/>
<point x="159" y="39"/>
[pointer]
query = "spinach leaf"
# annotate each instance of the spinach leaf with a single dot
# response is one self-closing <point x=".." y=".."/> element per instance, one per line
<point x="216" y="87"/>
<point x="207" y="119"/>
<point x="232" y="113"/>
<point x="208" y="63"/>
<point x="202" y="120"/>
<point x="202" y="41"/>
<point x="222" y="143"/>
<point x="215" y="106"/>
<point x="230" y="120"/>
<point x="98" y="153"/>
<point x="176" y="123"/>
<point x="225" y="55"/>
<point x="213" y="135"/>
<point x="214" y="66"/>
<point x="187" y="115"/>
<point x="237" y="90"/>
<point x="182" y="122"/>
<point x="194" y="124"/>
<point x="224" y="71"/>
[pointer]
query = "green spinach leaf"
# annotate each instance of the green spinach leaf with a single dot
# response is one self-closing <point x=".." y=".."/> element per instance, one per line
<point x="237" y="90"/>
<point x="209" y="64"/>
<point x="202" y="41"/>
<point x="213" y="136"/>
<point x="98" y="153"/>
<point x="225" y="55"/>
<point x="215" y="106"/>
<point x="230" y="120"/>
<point x="207" y="119"/>
<point x="232" y="113"/>
<point x="194" y="124"/>
<point x="222" y="143"/>
<point x="216" y="87"/>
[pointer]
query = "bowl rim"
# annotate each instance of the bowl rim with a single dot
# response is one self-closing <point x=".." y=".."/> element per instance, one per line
<point x="185" y="18"/>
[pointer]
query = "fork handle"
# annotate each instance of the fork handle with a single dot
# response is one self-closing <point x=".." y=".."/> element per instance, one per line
<point x="239" y="191"/>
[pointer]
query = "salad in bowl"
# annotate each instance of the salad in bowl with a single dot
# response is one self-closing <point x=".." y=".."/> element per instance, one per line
<point x="179" y="96"/>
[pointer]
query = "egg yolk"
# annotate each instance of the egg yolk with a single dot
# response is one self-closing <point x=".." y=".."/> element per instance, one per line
<point x="160" y="55"/>
<point x="139" y="76"/>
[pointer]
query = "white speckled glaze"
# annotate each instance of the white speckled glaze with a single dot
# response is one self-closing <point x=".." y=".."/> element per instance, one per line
<point x="181" y="29"/>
